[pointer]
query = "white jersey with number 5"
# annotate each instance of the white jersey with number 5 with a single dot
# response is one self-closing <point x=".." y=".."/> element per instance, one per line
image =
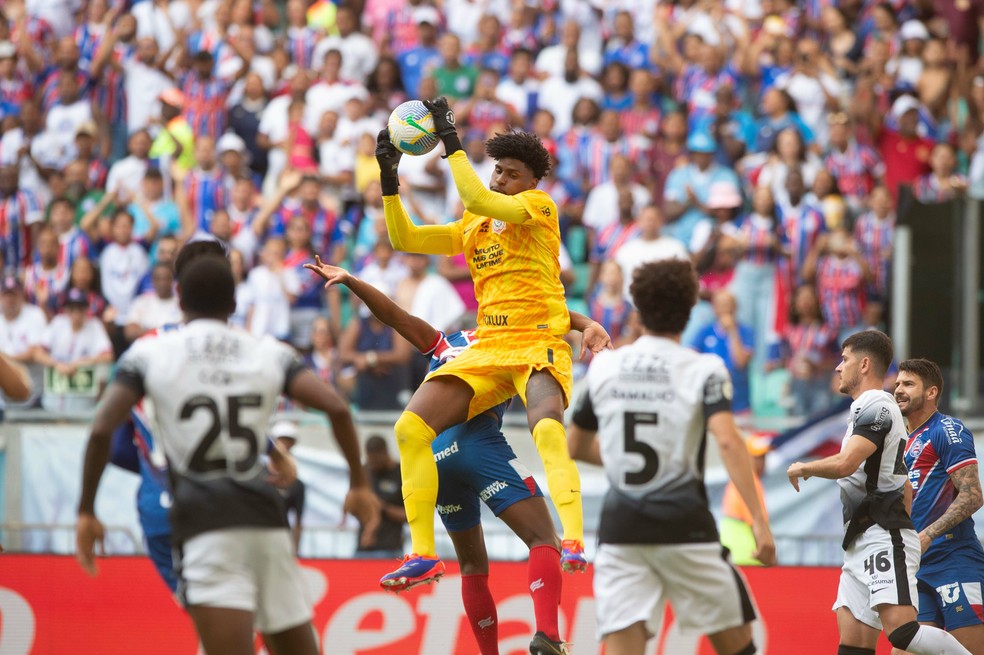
<point x="213" y="389"/>
<point x="649" y="402"/>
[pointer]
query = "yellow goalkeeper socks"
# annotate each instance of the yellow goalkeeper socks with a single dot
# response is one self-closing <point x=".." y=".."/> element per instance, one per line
<point x="419" y="473"/>
<point x="563" y="479"/>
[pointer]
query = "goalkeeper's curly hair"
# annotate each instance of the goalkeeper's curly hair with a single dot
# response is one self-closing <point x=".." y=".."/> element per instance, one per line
<point x="523" y="146"/>
<point x="664" y="293"/>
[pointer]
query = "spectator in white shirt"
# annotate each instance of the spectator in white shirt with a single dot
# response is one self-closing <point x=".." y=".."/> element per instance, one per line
<point x="649" y="246"/>
<point x="518" y="88"/>
<point x="21" y="326"/>
<point x="156" y="308"/>
<point x="428" y="295"/>
<point x="601" y="205"/>
<point x="128" y="173"/>
<point x="560" y="93"/>
<point x="122" y="265"/>
<point x="331" y="91"/>
<point x="384" y="269"/>
<point x="143" y="78"/>
<point x="65" y="118"/>
<point x="813" y="88"/>
<point x="359" y="52"/>
<point x="272" y="130"/>
<point x="73" y="341"/>
<point x="552" y="60"/>
<point x="272" y="287"/>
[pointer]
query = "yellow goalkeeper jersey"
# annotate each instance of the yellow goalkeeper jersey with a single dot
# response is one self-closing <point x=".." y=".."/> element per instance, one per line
<point x="516" y="270"/>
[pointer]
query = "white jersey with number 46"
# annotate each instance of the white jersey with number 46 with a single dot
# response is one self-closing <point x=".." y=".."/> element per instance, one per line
<point x="649" y="402"/>
<point x="213" y="389"/>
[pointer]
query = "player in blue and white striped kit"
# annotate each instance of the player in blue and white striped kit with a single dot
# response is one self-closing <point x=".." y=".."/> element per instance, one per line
<point x="946" y="491"/>
<point x="134" y="449"/>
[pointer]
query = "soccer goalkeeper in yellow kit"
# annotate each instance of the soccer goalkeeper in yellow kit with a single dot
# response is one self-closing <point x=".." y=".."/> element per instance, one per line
<point x="511" y="239"/>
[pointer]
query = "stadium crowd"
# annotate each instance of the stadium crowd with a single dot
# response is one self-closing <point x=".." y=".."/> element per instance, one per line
<point x="770" y="141"/>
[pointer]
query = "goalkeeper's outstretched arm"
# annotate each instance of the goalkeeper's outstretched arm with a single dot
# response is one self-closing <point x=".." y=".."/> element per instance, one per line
<point x="478" y="199"/>
<point x="426" y="239"/>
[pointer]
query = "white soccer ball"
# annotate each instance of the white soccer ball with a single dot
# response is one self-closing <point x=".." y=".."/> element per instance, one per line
<point x="411" y="128"/>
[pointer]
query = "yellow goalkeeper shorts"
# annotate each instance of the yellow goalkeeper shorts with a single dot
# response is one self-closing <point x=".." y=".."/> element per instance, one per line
<point x="498" y="368"/>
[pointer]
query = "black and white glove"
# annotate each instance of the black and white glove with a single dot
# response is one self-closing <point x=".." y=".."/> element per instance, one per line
<point x="444" y="124"/>
<point x="388" y="158"/>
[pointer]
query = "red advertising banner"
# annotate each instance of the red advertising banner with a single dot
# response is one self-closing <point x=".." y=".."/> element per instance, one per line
<point x="48" y="606"/>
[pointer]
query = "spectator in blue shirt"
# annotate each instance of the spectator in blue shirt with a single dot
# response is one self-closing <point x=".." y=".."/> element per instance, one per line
<point x="688" y="187"/>
<point x="779" y="111"/>
<point x="623" y="47"/>
<point x="421" y="61"/>
<point x="732" y="342"/>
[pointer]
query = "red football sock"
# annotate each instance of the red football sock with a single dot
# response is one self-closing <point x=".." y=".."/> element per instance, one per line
<point x="545" y="583"/>
<point x="480" y="608"/>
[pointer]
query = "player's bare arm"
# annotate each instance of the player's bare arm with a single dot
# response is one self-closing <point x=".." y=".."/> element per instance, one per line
<point x="15" y="382"/>
<point x="403" y="234"/>
<point x="836" y="466"/>
<point x="282" y="467"/>
<point x="116" y="404"/>
<point x="311" y="391"/>
<point x="738" y="464"/>
<point x="417" y="331"/>
<point x="968" y="500"/>
<point x="583" y="445"/>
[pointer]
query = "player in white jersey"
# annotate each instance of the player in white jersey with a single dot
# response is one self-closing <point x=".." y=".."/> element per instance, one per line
<point x="213" y="389"/>
<point x="650" y="405"/>
<point x="877" y="589"/>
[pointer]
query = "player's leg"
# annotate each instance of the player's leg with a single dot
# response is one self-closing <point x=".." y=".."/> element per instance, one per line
<point x="222" y="630"/>
<point x="438" y="404"/>
<point x="283" y="613"/>
<point x="734" y="641"/>
<point x="461" y="514"/>
<point x="971" y="638"/>
<point x="545" y="412"/>
<point x="299" y="640"/>
<point x="530" y="520"/>
<point x="894" y="602"/>
<point x="930" y="612"/>
<point x="708" y="594"/>
<point x="929" y="606"/>
<point x="217" y="586"/>
<point x="629" y="595"/>
<point x="627" y="641"/>
<point x="856" y="637"/>
<point x="469" y="546"/>
<point x="906" y="634"/>
<point x="947" y="590"/>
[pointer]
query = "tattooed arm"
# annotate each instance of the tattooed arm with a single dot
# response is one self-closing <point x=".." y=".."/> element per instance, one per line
<point x="968" y="501"/>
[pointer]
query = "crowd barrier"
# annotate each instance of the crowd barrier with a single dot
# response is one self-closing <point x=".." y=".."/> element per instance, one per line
<point x="49" y="606"/>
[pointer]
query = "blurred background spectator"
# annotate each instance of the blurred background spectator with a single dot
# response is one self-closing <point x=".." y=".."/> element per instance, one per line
<point x="387" y="484"/>
<point x="739" y="134"/>
<point x="71" y="348"/>
<point x="285" y="433"/>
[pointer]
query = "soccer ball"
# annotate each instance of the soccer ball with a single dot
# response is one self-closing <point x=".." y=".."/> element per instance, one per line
<point x="411" y="128"/>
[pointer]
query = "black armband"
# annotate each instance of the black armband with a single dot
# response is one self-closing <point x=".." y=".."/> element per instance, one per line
<point x="389" y="184"/>
<point x="452" y="143"/>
